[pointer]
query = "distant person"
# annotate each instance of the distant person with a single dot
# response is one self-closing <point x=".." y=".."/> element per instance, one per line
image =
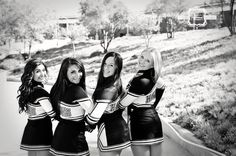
<point x="71" y="102"/>
<point x="113" y="134"/>
<point x="144" y="92"/>
<point x="34" y="100"/>
<point x="169" y="28"/>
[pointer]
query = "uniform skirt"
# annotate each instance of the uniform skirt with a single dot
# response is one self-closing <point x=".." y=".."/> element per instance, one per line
<point x="69" y="139"/>
<point x="113" y="133"/>
<point x="145" y="126"/>
<point x="37" y="135"/>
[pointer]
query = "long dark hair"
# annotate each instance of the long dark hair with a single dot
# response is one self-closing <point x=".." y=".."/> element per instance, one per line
<point x="26" y="87"/>
<point x="62" y="81"/>
<point x="102" y="83"/>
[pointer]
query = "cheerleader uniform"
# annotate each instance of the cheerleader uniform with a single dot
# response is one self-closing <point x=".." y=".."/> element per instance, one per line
<point x="113" y="133"/>
<point x="69" y="137"/>
<point x="142" y="98"/>
<point x="38" y="131"/>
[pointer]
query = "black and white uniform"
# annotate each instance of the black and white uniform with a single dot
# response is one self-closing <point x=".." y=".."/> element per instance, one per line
<point x="142" y="97"/>
<point x="69" y="137"/>
<point x="38" y="131"/>
<point x="113" y="133"/>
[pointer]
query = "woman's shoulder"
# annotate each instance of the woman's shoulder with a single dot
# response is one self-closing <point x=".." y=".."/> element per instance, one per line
<point x="141" y="85"/>
<point x="108" y="93"/>
<point x="40" y="91"/>
<point x="77" y="91"/>
<point x="141" y="82"/>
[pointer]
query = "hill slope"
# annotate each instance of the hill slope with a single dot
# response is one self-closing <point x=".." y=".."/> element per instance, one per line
<point x="199" y="72"/>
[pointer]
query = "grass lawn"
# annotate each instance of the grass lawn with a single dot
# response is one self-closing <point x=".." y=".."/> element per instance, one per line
<point x="199" y="72"/>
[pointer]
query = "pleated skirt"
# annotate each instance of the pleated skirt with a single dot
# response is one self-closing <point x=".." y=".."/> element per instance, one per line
<point x="37" y="135"/>
<point x="113" y="132"/>
<point x="69" y="139"/>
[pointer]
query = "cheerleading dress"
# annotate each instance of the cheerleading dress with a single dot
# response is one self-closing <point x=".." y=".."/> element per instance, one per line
<point x="38" y="131"/>
<point x="69" y="137"/>
<point x="142" y="98"/>
<point x="113" y="133"/>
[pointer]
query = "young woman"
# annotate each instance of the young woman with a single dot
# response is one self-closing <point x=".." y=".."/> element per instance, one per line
<point x="34" y="100"/>
<point x="144" y="92"/>
<point x="113" y="133"/>
<point x="71" y="102"/>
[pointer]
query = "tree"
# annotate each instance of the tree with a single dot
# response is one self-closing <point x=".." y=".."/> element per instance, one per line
<point x="166" y="11"/>
<point x="21" y="22"/>
<point x="105" y="16"/>
<point x="9" y="21"/>
<point x="166" y="7"/>
<point x="144" y="23"/>
<point x="32" y="26"/>
<point x="76" y="32"/>
<point x="232" y="23"/>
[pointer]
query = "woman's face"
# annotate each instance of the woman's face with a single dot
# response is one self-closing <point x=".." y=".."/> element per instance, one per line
<point x="109" y="67"/>
<point x="40" y="74"/>
<point x="74" y="74"/>
<point x="145" y="61"/>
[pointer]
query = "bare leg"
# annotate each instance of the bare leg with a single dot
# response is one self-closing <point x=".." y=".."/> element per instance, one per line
<point x="113" y="153"/>
<point x="39" y="153"/>
<point x="32" y="153"/>
<point x="156" y="150"/>
<point x="141" y="150"/>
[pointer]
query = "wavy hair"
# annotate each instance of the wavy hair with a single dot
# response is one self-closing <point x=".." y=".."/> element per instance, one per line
<point x="26" y="86"/>
<point x="62" y="81"/>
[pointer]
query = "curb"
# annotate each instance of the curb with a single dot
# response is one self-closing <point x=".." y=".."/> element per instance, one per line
<point x="193" y="148"/>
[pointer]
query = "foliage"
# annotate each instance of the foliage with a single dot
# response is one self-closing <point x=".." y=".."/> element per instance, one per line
<point x="104" y="16"/>
<point x="76" y="32"/>
<point x="146" y="24"/>
<point x="22" y="22"/>
<point x="166" y="7"/>
<point x="9" y="21"/>
<point x="215" y="124"/>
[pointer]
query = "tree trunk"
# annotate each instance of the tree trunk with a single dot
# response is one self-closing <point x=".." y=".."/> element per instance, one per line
<point x="222" y="11"/>
<point x="96" y="35"/>
<point x="30" y="46"/>
<point x="73" y="46"/>
<point x="9" y="45"/>
<point x="232" y="23"/>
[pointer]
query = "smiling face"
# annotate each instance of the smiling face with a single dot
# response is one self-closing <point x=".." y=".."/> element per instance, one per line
<point x="145" y="61"/>
<point x="40" y="74"/>
<point x="109" y="67"/>
<point x="74" y="74"/>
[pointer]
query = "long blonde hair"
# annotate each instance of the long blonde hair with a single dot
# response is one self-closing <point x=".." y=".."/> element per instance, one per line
<point x="157" y="60"/>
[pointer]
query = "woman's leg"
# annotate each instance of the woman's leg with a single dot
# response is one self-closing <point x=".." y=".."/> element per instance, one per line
<point x="156" y="150"/>
<point x="39" y="153"/>
<point x="113" y="153"/>
<point x="141" y="150"/>
<point x="32" y="153"/>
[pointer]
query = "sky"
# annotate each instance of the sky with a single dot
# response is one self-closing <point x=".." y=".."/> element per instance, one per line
<point x="70" y="7"/>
